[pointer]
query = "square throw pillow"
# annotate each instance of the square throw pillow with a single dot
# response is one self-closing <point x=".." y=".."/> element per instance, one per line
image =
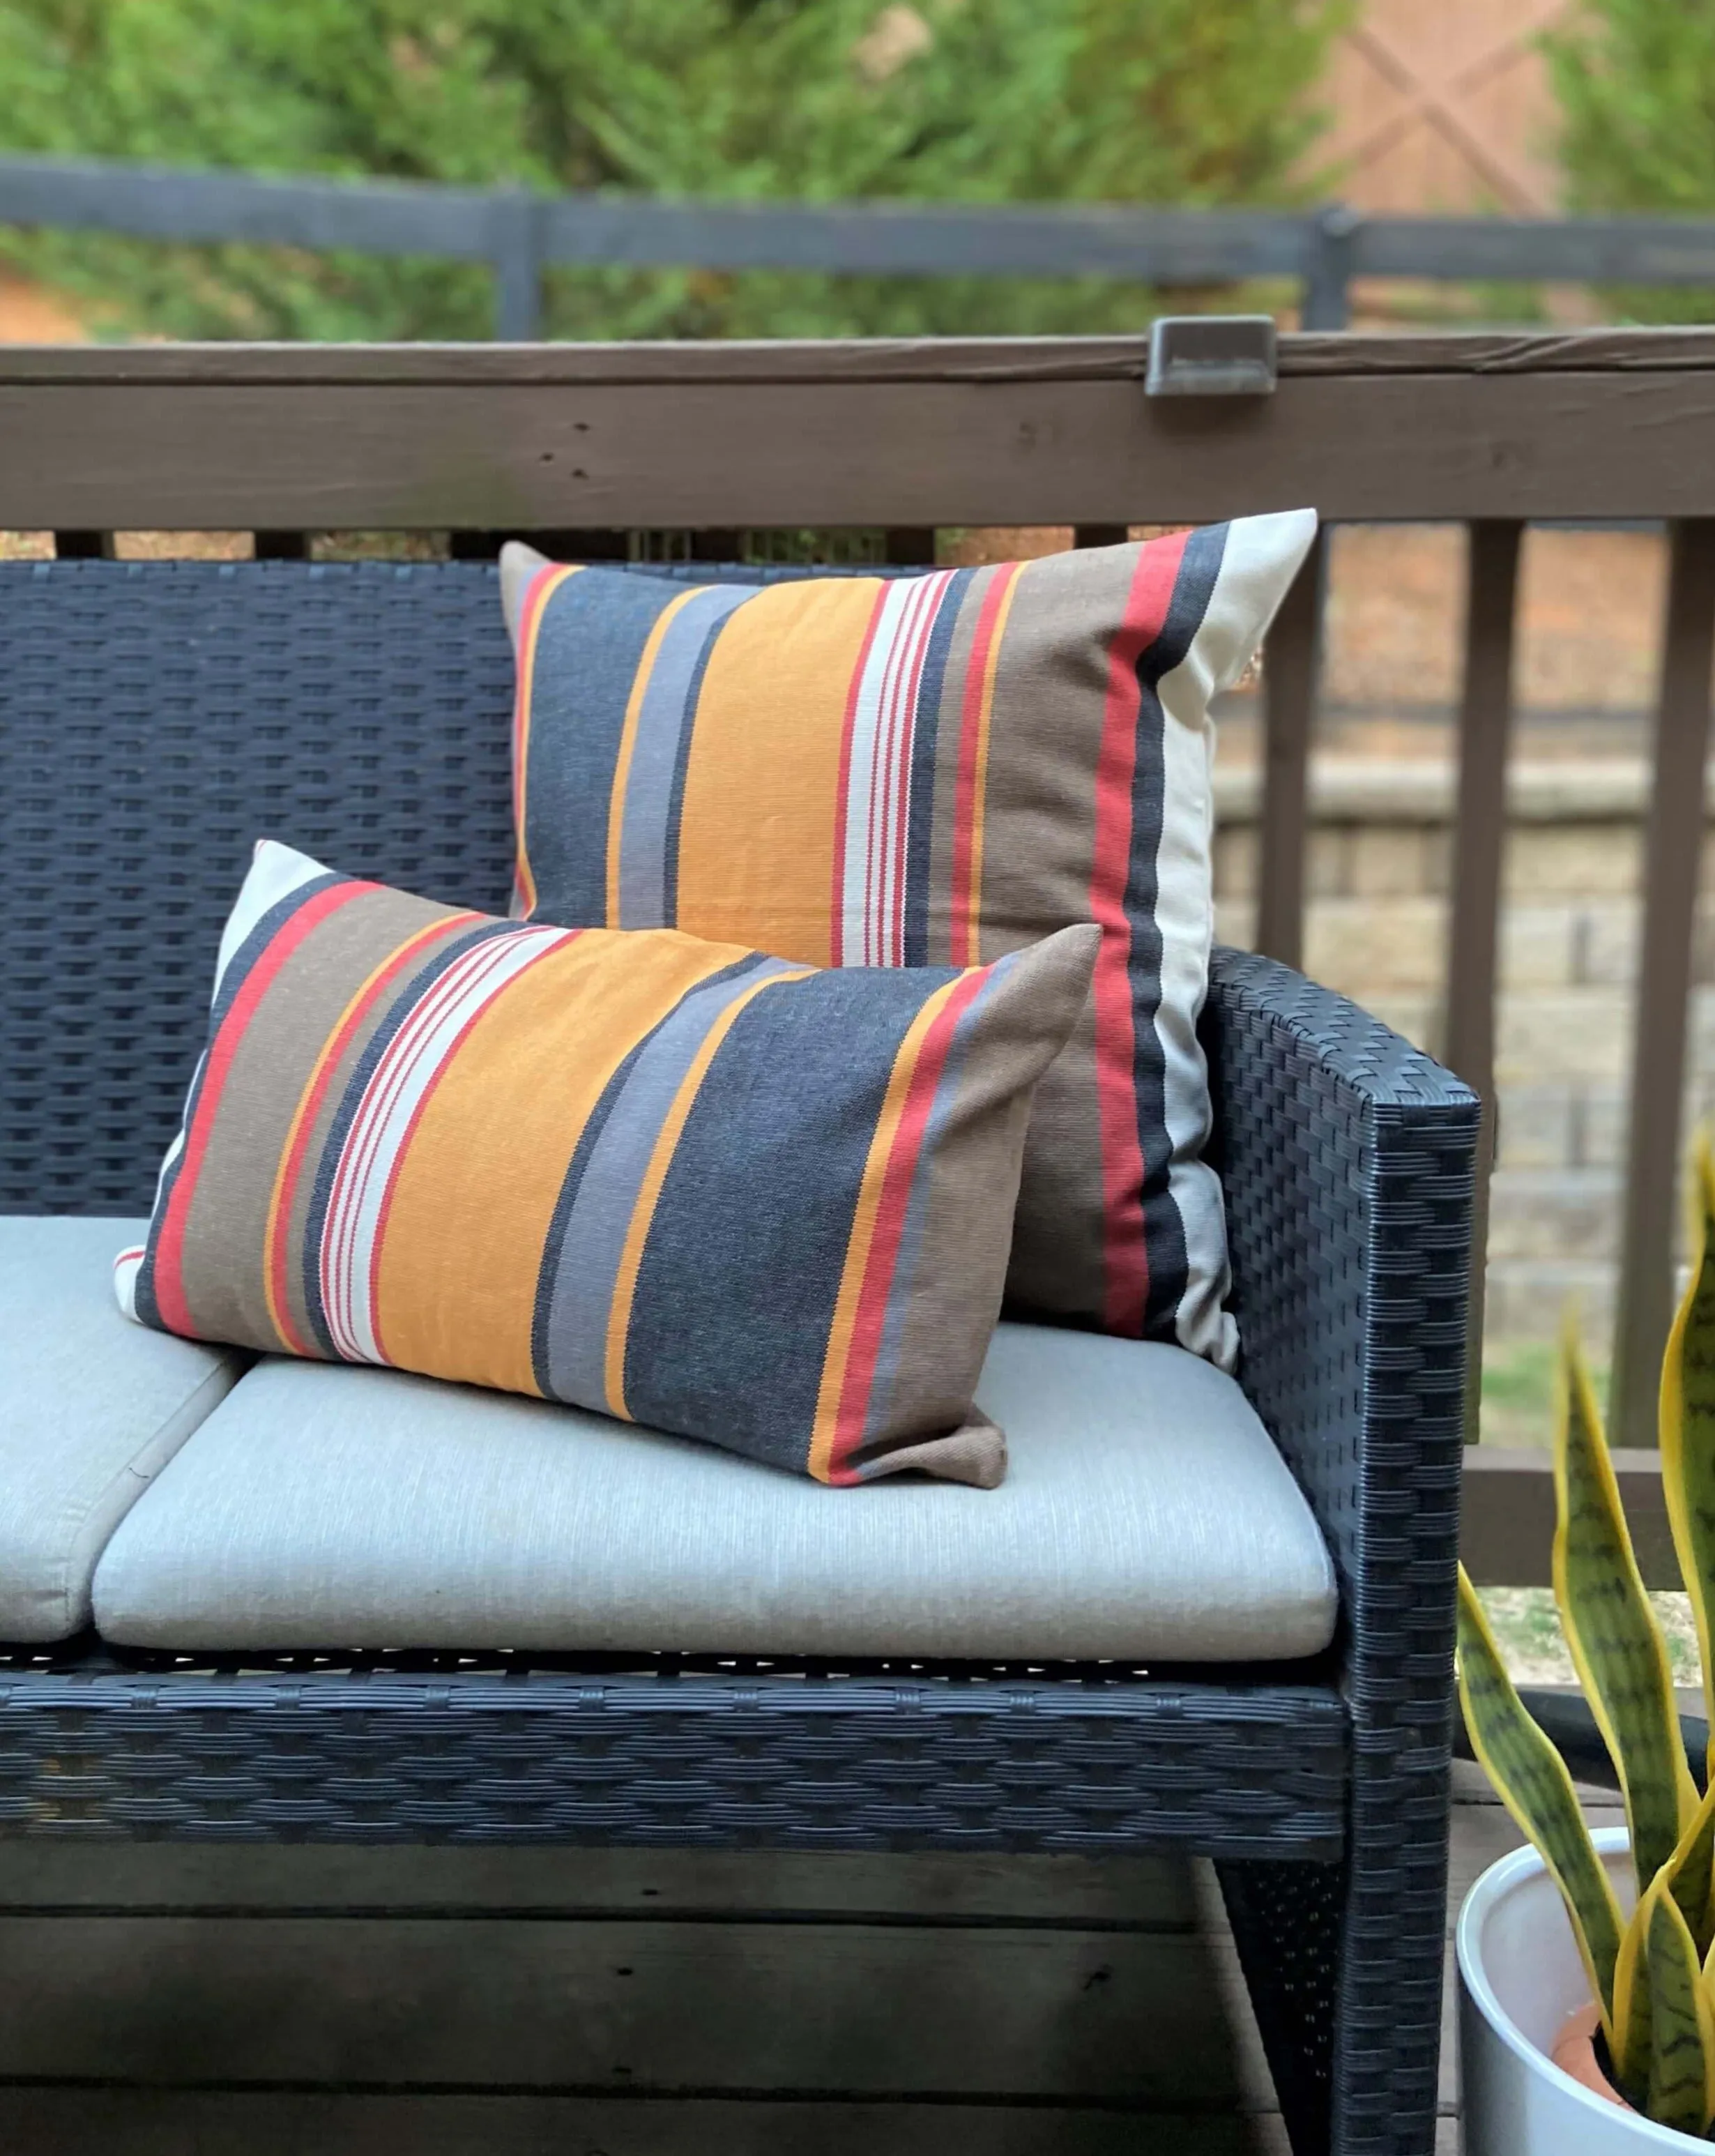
<point x="682" y="1183"/>
<point x="933" y="770"/>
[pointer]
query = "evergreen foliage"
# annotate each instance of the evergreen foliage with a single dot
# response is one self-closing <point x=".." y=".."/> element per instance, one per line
<point x="1635" y="80"/>
<point x="1186" y="102"/>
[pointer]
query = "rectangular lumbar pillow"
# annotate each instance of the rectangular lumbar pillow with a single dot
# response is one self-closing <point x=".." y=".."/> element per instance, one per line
<point x="933" y="770"/>
<point x="683" y="1182"/>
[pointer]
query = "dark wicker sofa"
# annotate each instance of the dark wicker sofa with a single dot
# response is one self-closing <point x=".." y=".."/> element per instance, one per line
<point x="154" y="718"/>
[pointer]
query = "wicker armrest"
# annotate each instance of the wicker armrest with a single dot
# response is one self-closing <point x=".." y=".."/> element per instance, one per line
<point x="1348" y="1157"/>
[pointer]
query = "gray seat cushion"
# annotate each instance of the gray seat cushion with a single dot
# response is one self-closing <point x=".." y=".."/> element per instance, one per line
<point x="91" y="1406"/>
<point x="1145" y="1513"/>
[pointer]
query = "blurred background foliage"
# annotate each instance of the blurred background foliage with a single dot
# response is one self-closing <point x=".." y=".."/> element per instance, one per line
<point x="1197" y="102"/>
<point x="1635" y="84"/>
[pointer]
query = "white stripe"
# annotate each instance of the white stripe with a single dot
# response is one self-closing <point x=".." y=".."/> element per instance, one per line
<point x="1260" y="559"/>
<point x="396" y="1087"/>
<point x="877" y="800"/>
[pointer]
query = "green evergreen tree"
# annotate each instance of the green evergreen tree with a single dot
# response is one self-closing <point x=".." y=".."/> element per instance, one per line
<point x="1635" y="80"/>
<point x="1186" y="101"/>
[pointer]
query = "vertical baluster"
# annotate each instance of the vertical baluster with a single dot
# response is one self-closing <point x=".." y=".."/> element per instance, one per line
<point x="1291" y="662"/>
<point x="1479" y="843"/>
<point x="1672" y="848"/>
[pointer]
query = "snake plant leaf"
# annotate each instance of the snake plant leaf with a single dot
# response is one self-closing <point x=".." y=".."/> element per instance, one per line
<point x="1530" y="1777"/>
<point x="1689" y="1874"/>
<point x="1611" y="1630"/>
<point x="1688" y="1418"/>
<point x="1629" y="2040"/>
<point x="1679" y="2088"/>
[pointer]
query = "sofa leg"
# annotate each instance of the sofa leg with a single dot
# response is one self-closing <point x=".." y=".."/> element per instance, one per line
<point x="1343" y="1966"/>
<point x="1287" y="1925"/>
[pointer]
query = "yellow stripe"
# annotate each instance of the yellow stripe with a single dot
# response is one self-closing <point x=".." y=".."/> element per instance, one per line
<point x="973" y="911"/>
<point x="335" y="1032"/>
<point x="628" y="741"/>
<point x="761" y="780"/>
<point x="475" y="1191"/>
<point x="521" y="743"/>
<point x="863" y="1233"/>
<point x="643" y="1213"/>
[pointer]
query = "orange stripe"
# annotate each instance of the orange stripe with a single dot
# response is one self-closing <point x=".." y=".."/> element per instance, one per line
<point x="847" y="1303"/>
<point x="661" y="1158"/>
<point x="291" y="1160"/>
<point x="627" y="742"/>
<point x="546" y="583"/>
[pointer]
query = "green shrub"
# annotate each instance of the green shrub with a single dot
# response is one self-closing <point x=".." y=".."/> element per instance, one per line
<point x="1192" y="101"/>
<point x="1635" y="80"/>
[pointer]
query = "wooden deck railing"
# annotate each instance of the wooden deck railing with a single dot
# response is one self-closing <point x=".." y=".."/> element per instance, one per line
<point x="585" y="443"/>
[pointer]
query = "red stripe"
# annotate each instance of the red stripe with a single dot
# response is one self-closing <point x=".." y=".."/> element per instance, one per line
<point x="169" y="1243"/>
<point x="870" y="1324"/>
<point x="415" y="947"/>
<point x="960" y="921"/>
<point x="836" y="935"/>
<point x="1125" y="1259"/>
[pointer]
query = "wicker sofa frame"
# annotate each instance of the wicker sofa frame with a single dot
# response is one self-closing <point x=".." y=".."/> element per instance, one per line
<point x="154" y="718"/>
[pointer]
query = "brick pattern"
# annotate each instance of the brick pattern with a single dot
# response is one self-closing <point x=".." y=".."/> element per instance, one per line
<point x="1376" y="931"/>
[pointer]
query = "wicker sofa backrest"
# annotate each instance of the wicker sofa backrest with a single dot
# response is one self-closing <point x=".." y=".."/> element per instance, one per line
<point x="156" y="718"/>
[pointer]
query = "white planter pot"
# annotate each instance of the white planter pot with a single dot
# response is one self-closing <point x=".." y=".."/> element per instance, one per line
<point x="1519" y="1978"/>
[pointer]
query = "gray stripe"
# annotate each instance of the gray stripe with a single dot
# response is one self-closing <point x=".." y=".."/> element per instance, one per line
<point x="655" y="755"/>
<point x="595" y="1235"/>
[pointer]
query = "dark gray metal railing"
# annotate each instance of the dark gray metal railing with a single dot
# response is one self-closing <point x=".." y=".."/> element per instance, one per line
<point x="520" y="234"/>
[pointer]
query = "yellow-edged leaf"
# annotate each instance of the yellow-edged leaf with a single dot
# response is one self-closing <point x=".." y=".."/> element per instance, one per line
<point x="1688" y="1873"/>
<point x="1679" y="2088"/>
<point x="1629" y="2043"/>
<point x="1611" y="1630"/>
<point x="1688" y="1419"/>
<point x="1530" y="1778"/>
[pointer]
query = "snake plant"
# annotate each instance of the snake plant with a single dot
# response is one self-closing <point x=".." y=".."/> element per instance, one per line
<point x="1652" y="1975"/>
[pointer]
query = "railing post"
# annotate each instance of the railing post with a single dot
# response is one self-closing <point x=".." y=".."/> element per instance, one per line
<point x="1672" y="851"/>
<point x="1327" y="268"/>
<point x="1291" y="661"/>
<point x="1479" y="845"/>
<point x="517" y="254"/>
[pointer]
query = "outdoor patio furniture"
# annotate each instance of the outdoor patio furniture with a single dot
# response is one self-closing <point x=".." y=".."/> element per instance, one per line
<point x="154" y="719"/>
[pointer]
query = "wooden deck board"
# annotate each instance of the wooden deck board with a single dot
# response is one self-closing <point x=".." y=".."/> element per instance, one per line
<point x="278" y="2002"/>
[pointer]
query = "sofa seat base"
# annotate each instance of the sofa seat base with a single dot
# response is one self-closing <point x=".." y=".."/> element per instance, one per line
<point x="1145" y="1514"/>
<point x="513" y="1749"/>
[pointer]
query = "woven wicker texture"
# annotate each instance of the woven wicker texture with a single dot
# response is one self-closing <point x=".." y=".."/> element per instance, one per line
<point x="684" y="1758"/>
<point x="154" y="720"/>
<point x="1348" y="1160"/>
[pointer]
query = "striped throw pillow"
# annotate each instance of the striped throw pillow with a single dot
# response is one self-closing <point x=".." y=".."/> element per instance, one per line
<point x="682" y="1183"/>
<point x="933" y="770"/>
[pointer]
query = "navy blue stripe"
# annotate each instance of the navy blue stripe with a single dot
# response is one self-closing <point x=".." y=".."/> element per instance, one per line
<point x="681" y="762"/>
<point x="406" y="997"/>
<point x="919" y="829"/>
<point x="244" y="960"/>
<point x="548" y="1273"/>
<point x="1164" y="1230"/>
<point x="736" y="1292"/>
<point x="589" y="645"/>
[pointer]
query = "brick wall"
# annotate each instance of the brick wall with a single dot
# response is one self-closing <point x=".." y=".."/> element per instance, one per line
<point x="1378" y="871"/>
